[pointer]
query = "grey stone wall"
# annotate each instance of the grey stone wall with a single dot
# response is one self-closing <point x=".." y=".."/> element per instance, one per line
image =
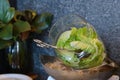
<point x="104" y="15"/>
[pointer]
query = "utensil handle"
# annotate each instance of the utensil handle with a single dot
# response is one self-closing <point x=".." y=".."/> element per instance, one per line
<point x="43" y="44"/>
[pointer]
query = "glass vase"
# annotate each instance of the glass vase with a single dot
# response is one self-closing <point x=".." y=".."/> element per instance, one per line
<point x="20" y="57"/>
<point x="4" y="64"/>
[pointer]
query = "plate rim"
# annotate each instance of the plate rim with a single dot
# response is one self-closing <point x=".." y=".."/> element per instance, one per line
<point x="15" y="75"/>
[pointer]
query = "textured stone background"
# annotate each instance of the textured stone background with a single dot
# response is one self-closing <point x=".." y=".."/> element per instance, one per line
<point x="104" y="15"/>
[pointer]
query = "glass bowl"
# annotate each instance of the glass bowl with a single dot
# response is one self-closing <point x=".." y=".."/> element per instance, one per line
<point x="55" y="68"/>
<point x="67" y="65"/>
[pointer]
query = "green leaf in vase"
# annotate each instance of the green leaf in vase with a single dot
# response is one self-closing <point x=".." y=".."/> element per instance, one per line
<point x="6" y="13"/>
<point x="29" y="15"/>
<point x="1" y="25"/>
<point x="18" y="16"/>
<point x="6" y="32"/>
<point x="4" y="6"/>
<point x="21" y="26"/>
<point x="9" y="15"/>
<point x="5" y="43"/>
<point x="42" y="21"/>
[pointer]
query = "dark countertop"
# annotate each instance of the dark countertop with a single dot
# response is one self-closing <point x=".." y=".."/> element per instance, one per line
<point x="104" y="15"/>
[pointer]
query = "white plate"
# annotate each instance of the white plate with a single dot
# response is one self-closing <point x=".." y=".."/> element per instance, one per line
<point x="14" y="77"/>
<point x="50" y="78"/>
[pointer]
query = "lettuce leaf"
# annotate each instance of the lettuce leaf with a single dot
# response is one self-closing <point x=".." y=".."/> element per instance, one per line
<point x="84" y="39"/>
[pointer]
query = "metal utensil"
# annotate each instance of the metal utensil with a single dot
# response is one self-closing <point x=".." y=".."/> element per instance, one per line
<point x="42" y="44"/>
<point x="46" y="45"/>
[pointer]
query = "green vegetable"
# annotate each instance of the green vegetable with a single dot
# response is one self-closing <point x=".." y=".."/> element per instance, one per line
<point x="81" y="39"/>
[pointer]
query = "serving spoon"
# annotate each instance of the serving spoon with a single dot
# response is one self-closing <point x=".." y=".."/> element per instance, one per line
<point x="81" y="54"/>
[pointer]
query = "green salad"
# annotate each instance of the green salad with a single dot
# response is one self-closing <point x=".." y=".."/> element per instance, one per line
<point x="80" y="40"/>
